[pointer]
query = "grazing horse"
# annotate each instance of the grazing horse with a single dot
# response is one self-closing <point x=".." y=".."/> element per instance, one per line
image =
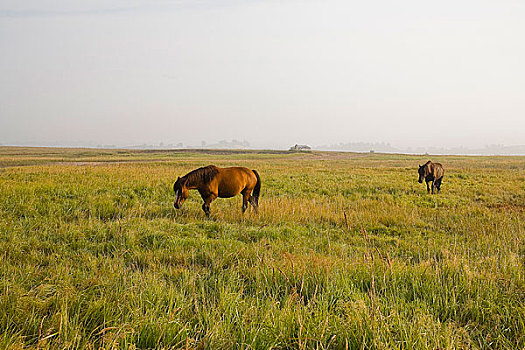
<point x="213" y="182"/>
<point x="431" y="172"/>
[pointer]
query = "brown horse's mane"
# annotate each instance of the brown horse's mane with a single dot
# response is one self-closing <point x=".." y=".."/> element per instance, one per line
<point x="204" y="174"/>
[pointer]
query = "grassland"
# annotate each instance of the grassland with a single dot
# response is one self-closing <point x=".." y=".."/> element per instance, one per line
<point x="347" y="251"/>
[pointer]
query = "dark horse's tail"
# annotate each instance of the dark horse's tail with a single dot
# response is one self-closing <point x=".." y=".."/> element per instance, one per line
<point x="256" y="189"/>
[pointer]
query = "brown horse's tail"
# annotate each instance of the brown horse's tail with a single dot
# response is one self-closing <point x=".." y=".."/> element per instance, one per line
<point x="257" y="188"/>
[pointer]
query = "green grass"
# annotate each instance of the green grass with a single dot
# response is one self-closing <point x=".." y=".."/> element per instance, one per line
<point x="348" y="251"/>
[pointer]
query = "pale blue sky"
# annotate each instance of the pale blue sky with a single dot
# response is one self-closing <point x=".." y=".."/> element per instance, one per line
<point x="274" y="73"/>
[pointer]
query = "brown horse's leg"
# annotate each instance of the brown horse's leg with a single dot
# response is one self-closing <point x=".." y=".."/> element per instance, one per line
<point x="433" y="186"/>
<point x="245" y="199"/>
<point x="207" y="210"/>
<point x="251" y="200"/>
<point x="428" y="188"/>
<point x="207" y="201"/>
<point x="254" y="204"/>
<point x="248" y="198"/>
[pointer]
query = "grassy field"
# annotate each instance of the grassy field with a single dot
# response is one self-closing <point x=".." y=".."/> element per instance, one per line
<point x="347" y="251"/>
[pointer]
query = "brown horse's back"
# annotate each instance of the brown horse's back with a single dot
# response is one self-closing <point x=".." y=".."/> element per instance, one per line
<point x="229" y="182"/>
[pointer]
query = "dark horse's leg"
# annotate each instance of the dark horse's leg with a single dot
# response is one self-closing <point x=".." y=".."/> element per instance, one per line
<point x="428" y="188"/>
<point x="438" y="184"/>
<point x="433" y="186"/>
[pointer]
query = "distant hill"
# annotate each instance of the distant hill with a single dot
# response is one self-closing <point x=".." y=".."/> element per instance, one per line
<point x="361" y="147"/>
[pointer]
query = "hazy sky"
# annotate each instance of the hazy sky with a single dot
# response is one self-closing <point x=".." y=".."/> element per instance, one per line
<point x="273" y="73"/>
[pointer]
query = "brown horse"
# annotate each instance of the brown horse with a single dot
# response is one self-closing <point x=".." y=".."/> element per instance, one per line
<point x="431" y="172"/>
<point x="213" y="182"/>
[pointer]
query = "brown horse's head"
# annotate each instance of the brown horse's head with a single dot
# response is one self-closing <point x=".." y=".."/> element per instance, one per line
<point x="181" y="192"/>
<point x="423" y="172"/>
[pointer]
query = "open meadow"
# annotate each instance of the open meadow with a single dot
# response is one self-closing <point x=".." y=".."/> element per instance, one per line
<point x="348" y="251"/>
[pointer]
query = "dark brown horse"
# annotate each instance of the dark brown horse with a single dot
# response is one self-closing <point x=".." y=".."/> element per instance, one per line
<point x="431" y="172"/>
<point x="213" y="182"/>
